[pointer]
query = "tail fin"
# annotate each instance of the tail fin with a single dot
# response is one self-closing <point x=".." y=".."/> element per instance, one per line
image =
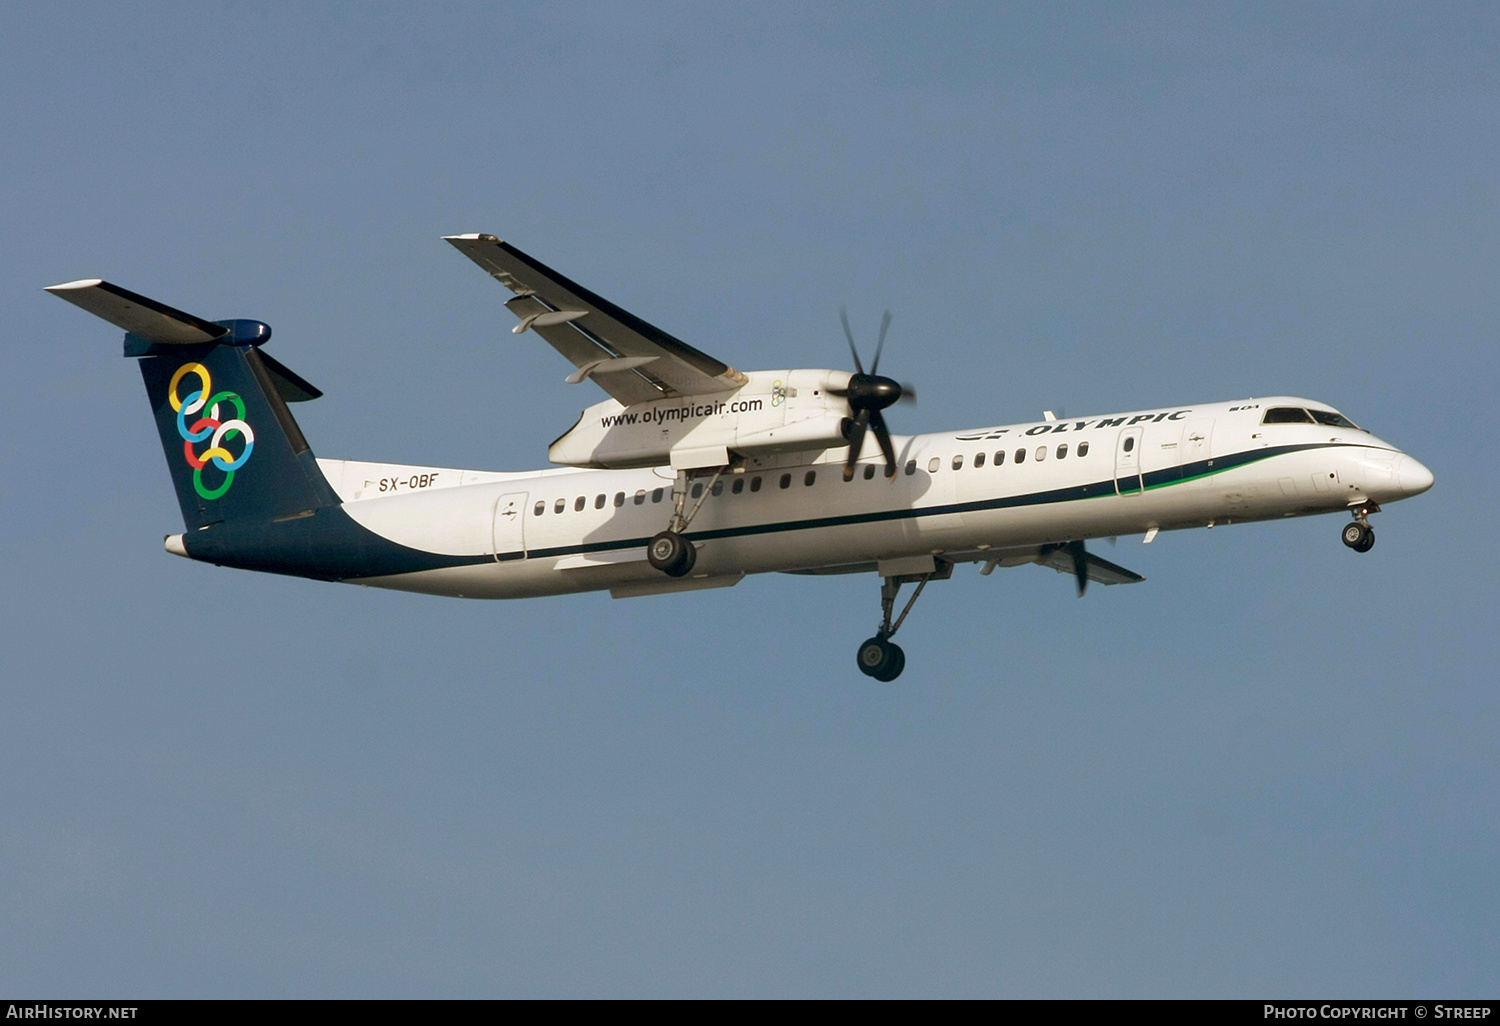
<point x="232" y="445"/>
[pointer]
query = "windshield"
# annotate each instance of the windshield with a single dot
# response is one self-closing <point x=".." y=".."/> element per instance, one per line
<point x="1333" y="419"/>
<point x="1297" y="415"/>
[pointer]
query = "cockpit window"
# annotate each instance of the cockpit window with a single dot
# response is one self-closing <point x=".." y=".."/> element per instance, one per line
<point x="1286" y="415"/>
<point x="1333" y="419"/>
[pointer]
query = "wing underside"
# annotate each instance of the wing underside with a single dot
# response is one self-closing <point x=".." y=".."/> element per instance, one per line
<point x="630" y="359"/>
<point x="1099" y="570"/>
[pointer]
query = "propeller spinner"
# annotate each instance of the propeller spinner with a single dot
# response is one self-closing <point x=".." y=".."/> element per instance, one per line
<point x="868" y="394"/>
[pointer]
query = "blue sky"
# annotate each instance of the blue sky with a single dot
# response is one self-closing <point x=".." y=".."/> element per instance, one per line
<point x="1269" y="770"/>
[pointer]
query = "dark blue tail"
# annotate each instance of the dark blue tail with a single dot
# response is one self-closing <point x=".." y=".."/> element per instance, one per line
<point x="233" y="448"/>
<point x="232" y="445"/>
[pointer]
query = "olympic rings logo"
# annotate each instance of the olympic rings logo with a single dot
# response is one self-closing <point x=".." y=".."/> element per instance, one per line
<point x="209" y="428"/>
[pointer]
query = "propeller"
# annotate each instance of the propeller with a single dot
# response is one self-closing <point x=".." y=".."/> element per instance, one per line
<point x="1079" y="555"/>
<point x="869" y="394"/>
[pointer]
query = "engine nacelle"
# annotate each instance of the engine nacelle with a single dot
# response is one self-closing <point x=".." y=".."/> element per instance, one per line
<point x="773" y="412"/>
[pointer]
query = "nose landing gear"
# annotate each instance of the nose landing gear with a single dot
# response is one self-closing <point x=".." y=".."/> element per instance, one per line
<point x="1360" y="536"/>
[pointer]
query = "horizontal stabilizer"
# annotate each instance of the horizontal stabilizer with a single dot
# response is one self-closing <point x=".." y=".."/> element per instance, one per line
<point x="145" y="318"/>
<point x="290" y="385"/>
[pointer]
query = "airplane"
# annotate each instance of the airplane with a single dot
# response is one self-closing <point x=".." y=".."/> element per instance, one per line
<point x="693" y="474"/>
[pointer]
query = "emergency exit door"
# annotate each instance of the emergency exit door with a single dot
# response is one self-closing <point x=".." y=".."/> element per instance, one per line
<point x="510" y="521"/>
<point x="1128" y="462"/>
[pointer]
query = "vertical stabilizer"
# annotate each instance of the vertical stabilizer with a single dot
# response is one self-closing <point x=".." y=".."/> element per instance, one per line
<point x="232" y="446"/>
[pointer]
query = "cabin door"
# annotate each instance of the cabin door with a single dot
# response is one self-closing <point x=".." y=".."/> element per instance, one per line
<point x="1128" y="462"/>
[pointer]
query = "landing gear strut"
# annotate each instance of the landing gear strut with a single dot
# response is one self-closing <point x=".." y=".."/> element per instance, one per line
<point x="671" y="552"/>
<point x="880" y="657"/>
<point x="1360" y="536"/>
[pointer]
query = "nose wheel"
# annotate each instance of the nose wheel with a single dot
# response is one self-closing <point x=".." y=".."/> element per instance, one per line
<point x="1360" y="536"/>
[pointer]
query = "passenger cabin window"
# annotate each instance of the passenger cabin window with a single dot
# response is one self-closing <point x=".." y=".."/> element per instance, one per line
<point x="619" y="498"/>
<point x="541" y="508"/>
<point x="786" y="480"/>
<point x="599" y="501"/>
<point x="718" y="488"/>
<point x="1130" y="443"/>
<point x="640" y="497"/>
<point x="1286" y="415"/>
<point x="958" y="463"/>
<point x="755" y="483"/>
<point x="1333" y="419"/>
<point x="656" y="495"/>
<point x="933" y="464"/>
<point x="999" y="457"/>
<point x="1041" y="453"/>
<point x="1062" y="451"/>
<point x="869" y="471"/>
<point x="1020" y="455"/>
<point x="911" y="467"/>
<point x="560" y="505"/>
<point x="809" y="478"/>
<point x="698" y="489"/>
<point x="978" y="460"/>
<point x="578" y="503"/>
<point x="1083" y="449"/>
<point x="738" y="486"/>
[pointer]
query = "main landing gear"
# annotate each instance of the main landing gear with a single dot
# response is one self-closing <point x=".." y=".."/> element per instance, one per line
<point x="1360" y="536"/>
<point x="880" y="657"/>
<point x="670" y="551"/>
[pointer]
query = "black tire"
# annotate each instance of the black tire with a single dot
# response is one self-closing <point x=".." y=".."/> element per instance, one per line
<point x="1354" y="536"/>
<point x="672" y="554"/>
<point x="897" y="664"/>
<point x="689" y="559"/>
<point x="1368" y="543"/>
<point x="874" y="656"/>
<point x="880" y="659"/>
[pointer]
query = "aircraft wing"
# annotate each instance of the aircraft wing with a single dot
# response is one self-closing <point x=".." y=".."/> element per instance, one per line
<point x="631" y="360"/>
<point x="1100" y="571"/>
<point x="1059" y="558"/>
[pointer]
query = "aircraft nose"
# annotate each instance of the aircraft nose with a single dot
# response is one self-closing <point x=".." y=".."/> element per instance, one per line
<point x="1414" y="477"/>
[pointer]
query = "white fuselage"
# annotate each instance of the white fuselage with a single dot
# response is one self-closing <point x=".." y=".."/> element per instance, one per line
<point x="569" y="530"/>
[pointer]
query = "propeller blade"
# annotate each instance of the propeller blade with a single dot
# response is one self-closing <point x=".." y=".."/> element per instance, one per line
<point x="883" y="436"/>
<point x="1080" y="556"/>
<point x="867" y="395"/>
<point x="856" y="441"/>
<point x="885" y="322"/>
<point x="844" y="318"/>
